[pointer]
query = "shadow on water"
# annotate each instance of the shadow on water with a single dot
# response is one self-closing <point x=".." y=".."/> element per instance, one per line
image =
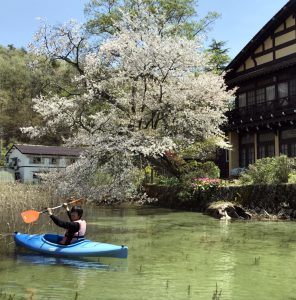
<point x="77" y="263"/>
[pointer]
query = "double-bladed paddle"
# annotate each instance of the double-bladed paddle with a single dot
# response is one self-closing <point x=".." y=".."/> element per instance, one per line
<point x="30" y="216"/>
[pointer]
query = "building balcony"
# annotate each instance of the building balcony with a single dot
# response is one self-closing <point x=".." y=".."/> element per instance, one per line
<point x="283" y="109"/>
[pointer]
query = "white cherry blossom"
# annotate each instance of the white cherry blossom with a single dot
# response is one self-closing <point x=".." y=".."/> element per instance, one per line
<point x="146" y="92"/>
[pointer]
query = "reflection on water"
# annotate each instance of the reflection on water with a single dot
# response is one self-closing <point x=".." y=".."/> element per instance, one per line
<point x="79" y="263"/>
<point x="172" y="255"/>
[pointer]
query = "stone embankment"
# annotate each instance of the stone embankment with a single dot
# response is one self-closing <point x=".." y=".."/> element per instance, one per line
<point x="261" y="201"/>
<point x="265" y="202"/>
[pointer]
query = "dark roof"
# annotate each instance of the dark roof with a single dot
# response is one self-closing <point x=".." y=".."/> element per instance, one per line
<point x="275" y="21"/>
<point x="46" y="150"/>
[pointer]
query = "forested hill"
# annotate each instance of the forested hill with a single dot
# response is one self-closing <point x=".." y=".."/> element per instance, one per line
<point x="21" y="81"/>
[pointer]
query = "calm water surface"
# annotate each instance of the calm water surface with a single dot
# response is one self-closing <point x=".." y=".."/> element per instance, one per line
<point x="172" y="255"/>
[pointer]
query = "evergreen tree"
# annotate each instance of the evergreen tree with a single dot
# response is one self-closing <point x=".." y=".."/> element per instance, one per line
<point x="218" y="56"/>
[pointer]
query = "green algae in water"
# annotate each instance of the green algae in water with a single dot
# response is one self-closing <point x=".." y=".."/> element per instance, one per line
<point x="172" y="255"/>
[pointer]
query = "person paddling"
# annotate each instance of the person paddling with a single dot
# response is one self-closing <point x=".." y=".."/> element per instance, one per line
<point x="75" y="229"/>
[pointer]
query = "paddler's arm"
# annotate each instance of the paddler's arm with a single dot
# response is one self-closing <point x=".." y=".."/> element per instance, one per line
<point x="71" y="226"/>
<point x="65" y="205"/>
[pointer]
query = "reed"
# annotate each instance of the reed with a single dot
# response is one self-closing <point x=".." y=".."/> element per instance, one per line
<point x="188" y="289"/>
<point x="15" y="198"/>
<point x="217" y="293"/>
<point x="257" y="261"/>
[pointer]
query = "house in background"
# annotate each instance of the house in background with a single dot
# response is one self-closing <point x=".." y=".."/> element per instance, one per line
<point x="27" y="161"/>
<point x="263" y="122"/>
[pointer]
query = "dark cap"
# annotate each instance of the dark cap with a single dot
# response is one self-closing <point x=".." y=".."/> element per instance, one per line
<point x="78" y="209"/>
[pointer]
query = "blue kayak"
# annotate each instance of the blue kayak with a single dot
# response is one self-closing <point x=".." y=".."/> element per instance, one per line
<point x="49" y="244"/>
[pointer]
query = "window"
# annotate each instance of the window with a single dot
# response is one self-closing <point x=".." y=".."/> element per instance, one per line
<point x="247" y="152"/>
<point x="292" y="87"/>
<point x="251" y="158"/>
<point x="36" y="160"/>
<point x="283" y="89"/>
<point x="247" y="156"/>
<point x="242" y="100"/>
<point x="266" y="150"/>
<point x="261" y="152"/>
<point x="17" y="176"/>
<point x="260" y="95"/>
<point x="270" y="93"/>
<point x="263" y="97"/>
<point x="14" y="161"/>
<point x="293" y="149"/>
<point x="251" y="98"/>
<point x="266" y="146"/>
<point x="284" y="149"/>
<point x="270" y="150"/>
<point x="288" y="142"/>
<point x="53" y="160"/>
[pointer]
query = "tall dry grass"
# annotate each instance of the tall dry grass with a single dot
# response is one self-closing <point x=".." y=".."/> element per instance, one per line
<point x="16" y="198"/>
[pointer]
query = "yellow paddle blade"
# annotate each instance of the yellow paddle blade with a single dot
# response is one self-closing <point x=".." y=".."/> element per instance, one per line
<point x="30" y="216"/>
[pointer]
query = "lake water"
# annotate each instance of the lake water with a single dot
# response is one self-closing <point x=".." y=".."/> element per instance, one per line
<point x="172" y="255"/>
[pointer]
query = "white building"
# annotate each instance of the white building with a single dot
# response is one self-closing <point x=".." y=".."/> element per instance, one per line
<point x="29" y="160"/>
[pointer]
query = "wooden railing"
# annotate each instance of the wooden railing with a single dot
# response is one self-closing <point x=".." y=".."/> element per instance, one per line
<point x="281" y="104"/>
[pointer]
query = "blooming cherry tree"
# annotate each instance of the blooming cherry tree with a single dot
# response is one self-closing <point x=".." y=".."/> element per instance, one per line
<point x="145" y="93"/>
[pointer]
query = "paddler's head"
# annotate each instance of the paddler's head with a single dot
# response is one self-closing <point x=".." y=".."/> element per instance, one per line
<point x="76" y="212"/>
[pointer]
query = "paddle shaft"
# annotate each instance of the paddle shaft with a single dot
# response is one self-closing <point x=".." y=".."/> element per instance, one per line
<point x="31" y="216"/>
<point x="61" y="205"/>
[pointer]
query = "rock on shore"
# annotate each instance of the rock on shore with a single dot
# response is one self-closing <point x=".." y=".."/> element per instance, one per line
<point x="227" y="211"/>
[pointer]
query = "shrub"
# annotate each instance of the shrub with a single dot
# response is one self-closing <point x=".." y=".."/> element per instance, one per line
<point x="269" y="170"/>
<point x="197" y="176"/>
<point x="292" y="177"/>
<point x="204" y="184"/>
<point x="164" y="180"/>
<point x="194" y="169"/>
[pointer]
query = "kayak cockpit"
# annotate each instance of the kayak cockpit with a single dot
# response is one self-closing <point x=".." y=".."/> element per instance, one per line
<point x="53" y="238"/>
<point x="56" y="239"/>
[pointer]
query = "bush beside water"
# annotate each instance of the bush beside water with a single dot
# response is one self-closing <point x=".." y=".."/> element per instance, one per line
<point x="269" y="170"/>
<point x="268" y="185"/>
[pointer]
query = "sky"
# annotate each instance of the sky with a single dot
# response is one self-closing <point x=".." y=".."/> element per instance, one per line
<point x="240" y="19"/>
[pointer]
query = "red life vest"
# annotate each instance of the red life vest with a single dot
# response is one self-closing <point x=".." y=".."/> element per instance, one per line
<point x="77" y="235"/>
